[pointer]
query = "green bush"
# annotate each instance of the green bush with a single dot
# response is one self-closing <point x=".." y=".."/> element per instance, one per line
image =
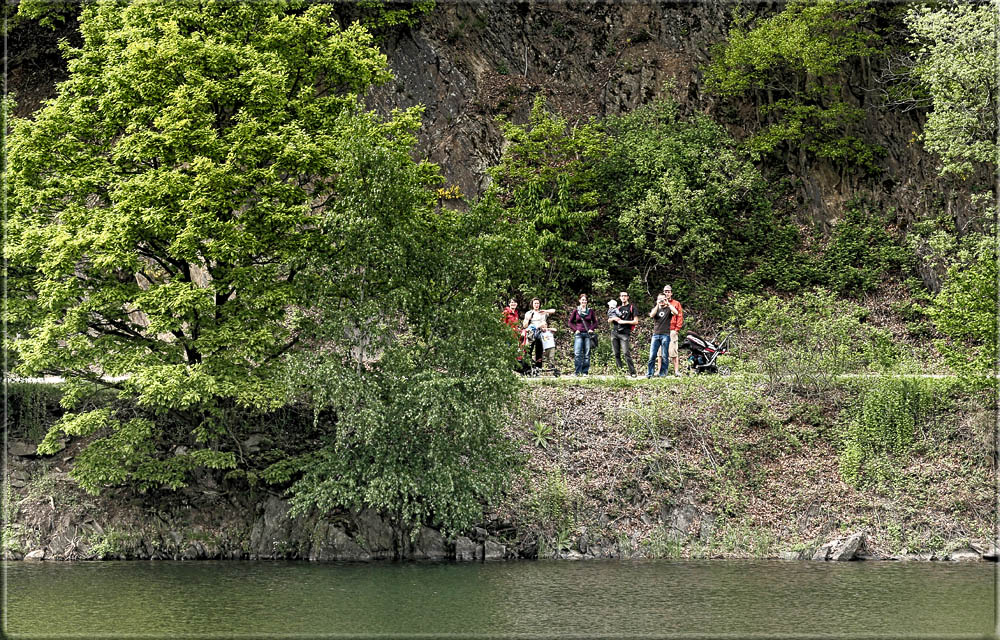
<point x="861" y="252"/>
<point x="811" y="334"/>
<point x="883" y="425"/>
<point x="550" y="504"/>
<point x="965" y="310"/>
<point x="638" y="200"/>
<point x="31" y="409"/>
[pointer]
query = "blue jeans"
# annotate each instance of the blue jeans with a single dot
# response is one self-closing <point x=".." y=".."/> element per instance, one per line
<point x="581" y="353"/>
<point x="660" y="341"/>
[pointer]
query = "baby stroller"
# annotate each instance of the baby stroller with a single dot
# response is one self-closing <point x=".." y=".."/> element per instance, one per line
<point x="527" y="366"/>
<point x="704" y="353"/>
<point x="524" y="364"/>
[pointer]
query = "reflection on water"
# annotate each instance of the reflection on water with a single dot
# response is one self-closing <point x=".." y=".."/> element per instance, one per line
<point x="527" y="599"/>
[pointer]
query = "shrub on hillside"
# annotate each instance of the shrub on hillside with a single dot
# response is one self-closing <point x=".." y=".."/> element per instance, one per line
<point x="811" y="334"/>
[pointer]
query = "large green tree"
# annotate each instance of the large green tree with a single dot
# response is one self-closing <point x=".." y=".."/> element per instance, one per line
<point x="206" y="216"/>
<point x="956" y="62"/>
<point x="639" y="199"/>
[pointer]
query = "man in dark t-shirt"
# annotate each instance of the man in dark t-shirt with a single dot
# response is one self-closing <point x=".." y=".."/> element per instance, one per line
<point x="622" y="324"/>
<point x="661" y="315"/>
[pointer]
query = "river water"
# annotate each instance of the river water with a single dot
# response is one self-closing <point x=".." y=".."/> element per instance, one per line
<point x="545" y="599"/>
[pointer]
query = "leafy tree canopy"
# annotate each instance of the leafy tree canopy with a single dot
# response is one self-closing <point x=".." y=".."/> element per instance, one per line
<point x="956" y="61"/>
<point x="636" y="200"/>
<point x="795" y="59"/>
<point x="207" y="211"/>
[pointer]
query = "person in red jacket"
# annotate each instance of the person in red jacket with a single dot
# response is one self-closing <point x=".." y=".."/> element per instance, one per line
<point x="675" y="326"/>
<point x="510" y="317"/>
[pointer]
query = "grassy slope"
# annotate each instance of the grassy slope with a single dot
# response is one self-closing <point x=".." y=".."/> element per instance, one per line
<point x="758" y="465"/>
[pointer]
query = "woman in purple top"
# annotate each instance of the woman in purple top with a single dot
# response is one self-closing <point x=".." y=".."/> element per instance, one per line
<point x="583" y="321"/>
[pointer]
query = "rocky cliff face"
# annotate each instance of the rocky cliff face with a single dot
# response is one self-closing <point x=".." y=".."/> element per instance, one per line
<point x="470" y="63"/>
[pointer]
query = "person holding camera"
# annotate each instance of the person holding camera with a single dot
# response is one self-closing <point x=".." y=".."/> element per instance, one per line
<point x="623" y="322"/>
<point x="582" y="321"/>
<point x="661" y="315"/>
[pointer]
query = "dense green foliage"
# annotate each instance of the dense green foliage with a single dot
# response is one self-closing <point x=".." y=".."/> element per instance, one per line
<point x="704" y="219"/>
<point x="793" y="59"/>
<point x="375" y="14"/>
<point x="965" y="310"/>
<point x="417" y="412"/>
<point x="380" y="14"/>
<point x="956" y="61"/>
<point x="635" y="201"/>
<point x="48" y="13"/>
<point x="206" y="209"/>
<point x="883" y="425"/>
<point x="862" y="252"/>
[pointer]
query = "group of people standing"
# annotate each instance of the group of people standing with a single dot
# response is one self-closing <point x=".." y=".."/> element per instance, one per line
<point x="667" y="316"/>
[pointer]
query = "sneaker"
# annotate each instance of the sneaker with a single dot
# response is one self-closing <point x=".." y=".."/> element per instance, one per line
<point x="649" y="376"/>
<point x="677" y="374"/>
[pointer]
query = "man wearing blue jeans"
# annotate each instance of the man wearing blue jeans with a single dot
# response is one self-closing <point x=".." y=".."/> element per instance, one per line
<point x="661" y="315"/>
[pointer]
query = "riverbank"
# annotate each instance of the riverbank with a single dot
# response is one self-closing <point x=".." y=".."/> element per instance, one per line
<point x="693" y="468"/>
<point x="736" y="468"/>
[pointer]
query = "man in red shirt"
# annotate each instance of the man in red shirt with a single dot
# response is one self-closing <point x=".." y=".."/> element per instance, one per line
<point x="676" y="321"/>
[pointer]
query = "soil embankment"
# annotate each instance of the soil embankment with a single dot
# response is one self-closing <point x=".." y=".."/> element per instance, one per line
<point x="718" y="468"/>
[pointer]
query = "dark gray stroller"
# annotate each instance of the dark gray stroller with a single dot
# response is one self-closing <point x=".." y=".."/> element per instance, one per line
<point x="704" y="353"/>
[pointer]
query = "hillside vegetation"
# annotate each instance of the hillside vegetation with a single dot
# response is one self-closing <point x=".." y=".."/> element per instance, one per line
<point x="219" y="232"/>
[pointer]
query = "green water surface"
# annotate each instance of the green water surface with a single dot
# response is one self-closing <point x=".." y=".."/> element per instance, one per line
<point x="593" y="599"/>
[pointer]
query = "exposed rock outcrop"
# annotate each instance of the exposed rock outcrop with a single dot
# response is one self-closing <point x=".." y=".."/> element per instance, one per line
<point x="841" y="549"/>
<point x="466" y="550"/>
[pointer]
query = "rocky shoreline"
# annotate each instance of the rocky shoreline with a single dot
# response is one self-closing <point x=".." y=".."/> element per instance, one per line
<point x="60" y="523"/>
